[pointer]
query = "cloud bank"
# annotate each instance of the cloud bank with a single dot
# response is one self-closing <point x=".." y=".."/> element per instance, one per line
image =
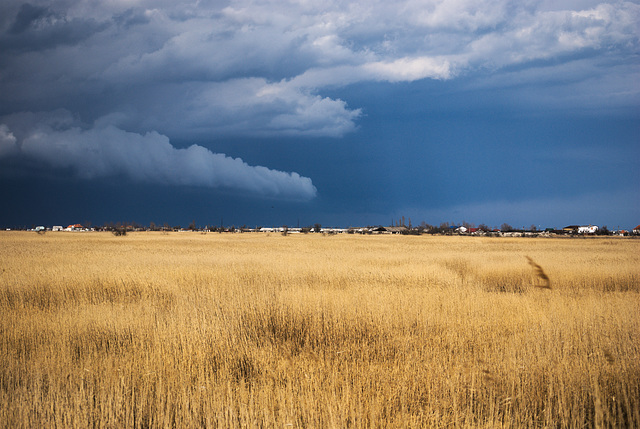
<point x="248" y="67"/>
<point x="104" y="152"/>
<point x="149" y="71"/>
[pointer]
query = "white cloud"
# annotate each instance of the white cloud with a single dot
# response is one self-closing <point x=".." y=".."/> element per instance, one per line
<point x="459" y="15"/>
<point x="103" y="152"/>
<point x="409" y="69"/>
<point x="8" y="141"/>
<point x="249" y="106"/>
<point x="554" y="34"/>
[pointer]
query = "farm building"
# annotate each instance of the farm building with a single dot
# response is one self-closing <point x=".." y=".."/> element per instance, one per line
<point x="591" y="229"/>
<point x="571" y="228"/>
<point x="577" y="229"/>
<point x="390" y="230"/>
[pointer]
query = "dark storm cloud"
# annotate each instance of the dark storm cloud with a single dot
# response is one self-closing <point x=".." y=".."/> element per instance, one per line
<point x="26" y="16"/>
<point x="135" y="75"/>
<point x="37" y="28"/>
<point x="213" y="67"/>
<point x="131" y="17"/>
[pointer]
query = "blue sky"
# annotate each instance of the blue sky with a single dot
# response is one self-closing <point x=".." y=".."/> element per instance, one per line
<point x="303" y="112"/>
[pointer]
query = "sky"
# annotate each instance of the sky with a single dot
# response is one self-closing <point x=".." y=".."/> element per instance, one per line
<point x="343" y="113"/>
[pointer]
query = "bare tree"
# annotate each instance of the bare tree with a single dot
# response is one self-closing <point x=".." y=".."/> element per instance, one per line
<point x="505" y="227"/>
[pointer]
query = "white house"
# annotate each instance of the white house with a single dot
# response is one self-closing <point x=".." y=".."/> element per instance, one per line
<point x="591" y="229"/>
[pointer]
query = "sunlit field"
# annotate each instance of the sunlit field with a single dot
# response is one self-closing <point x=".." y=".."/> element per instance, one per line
<point x="244" y="330"/>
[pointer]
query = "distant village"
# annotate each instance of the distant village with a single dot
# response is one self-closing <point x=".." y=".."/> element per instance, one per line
<point x="400" y="228"/>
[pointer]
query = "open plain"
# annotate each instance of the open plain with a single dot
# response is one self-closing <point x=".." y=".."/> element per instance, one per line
<point x="240" y="330"/>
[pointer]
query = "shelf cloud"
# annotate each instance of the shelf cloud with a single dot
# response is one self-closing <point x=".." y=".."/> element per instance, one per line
<point x="105" y="152"/>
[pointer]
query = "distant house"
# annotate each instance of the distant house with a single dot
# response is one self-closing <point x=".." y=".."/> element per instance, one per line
<point x="390" y="230"/>
<point x="333" y="230"/>
<point x="591" y="229"/>
<point x="636" y="230"/>
<point x="75" y="227"/>
<point x="56" y="228"/>
<point x="570" y="228"/>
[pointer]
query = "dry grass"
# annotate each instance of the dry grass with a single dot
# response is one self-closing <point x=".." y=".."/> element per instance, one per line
<point x="220" y="330"/>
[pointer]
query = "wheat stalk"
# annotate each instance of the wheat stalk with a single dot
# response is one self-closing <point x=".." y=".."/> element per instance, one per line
<point x="540" y="273"/>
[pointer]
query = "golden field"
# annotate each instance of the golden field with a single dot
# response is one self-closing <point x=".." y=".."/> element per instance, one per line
<point x="253" y="330"/>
